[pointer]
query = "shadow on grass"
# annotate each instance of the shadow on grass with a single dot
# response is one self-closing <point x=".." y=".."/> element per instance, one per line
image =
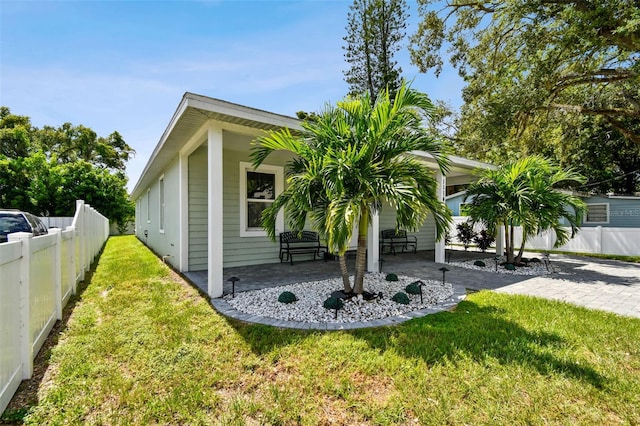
<point x="26" y="396"/>
<point x="478" y="332"/>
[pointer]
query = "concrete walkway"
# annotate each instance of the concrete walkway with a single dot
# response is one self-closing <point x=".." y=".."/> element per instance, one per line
<point x="593" y="283"/>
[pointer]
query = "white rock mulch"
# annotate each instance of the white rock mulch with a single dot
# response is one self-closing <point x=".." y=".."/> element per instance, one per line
<point x="311" y="296"/>
<point x="534" y="268"/>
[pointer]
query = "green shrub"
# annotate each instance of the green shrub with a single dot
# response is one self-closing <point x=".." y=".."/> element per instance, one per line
<point x="413" y="288"/>
<point x="333" y="303"/>
<point x="479" y="263"/>
<point x="510" y="267"/>
<point x="287" y="297"/>
<point x="484" y="240"/>
<point x="401" y="297"/>
<point x="391" y="277"/>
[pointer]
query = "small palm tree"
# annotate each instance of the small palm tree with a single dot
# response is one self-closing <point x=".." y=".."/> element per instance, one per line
<point x="526" y="192"/>
<point x="348" y="161"/>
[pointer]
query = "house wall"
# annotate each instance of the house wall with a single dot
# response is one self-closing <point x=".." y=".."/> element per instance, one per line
<point x="197" y="176"/>
<point x="454" y="203"/>
<point x="166" y="242"/>
<point x="425" y="236"/>
<point x="624" y="212"/>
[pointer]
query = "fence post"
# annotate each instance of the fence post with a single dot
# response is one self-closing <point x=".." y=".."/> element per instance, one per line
<point x="57" y="259"/>
<point x="598" y="239"/>
<point x="72" y="258"/>
<point x="25" y="303"/>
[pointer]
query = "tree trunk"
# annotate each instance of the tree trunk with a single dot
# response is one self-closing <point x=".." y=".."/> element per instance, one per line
<point x="345" y="274"/>
<point x="508" y="229"/>
<point x="361" y="256"/>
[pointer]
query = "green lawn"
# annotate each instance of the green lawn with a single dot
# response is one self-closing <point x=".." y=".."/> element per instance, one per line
<point x="144" y="347"/>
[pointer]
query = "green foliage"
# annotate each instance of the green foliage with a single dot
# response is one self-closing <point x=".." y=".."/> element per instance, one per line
<point x="333" y="303"/>
<point x="52" y="168"/>
<point x="287" y="297"/>
<point x="413" y="288"/>
<point x="480" y="263"/>
<point x="510" y="267"/>
<point x="484" y="240"/>
<point x="401" y="298"/>
<point x="466" y="233"/>
<point x="348" y="162"/>
<point x="526" y="193"/>
<point x="536" y="72"/>
<point x="391" y="277"/>
<point x="375" y="32"/>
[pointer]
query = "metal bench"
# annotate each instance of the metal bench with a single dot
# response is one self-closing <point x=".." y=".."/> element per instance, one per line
<point x="300" y="243"/>
<point x="392" y="240"/>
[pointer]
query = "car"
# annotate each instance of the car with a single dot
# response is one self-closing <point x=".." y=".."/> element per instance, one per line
<point x="18" y="221"/>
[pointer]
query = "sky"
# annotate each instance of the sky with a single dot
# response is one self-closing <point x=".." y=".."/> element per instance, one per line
<point x="125" y="65"/>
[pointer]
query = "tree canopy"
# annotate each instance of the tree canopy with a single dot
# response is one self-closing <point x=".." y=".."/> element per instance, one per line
<point x="536" y="71"/>
<point x="43" y="171"/>
<point x="374" y="32"/>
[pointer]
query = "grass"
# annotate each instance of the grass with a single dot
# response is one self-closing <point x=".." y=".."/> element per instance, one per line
<point x="141" y="346"/>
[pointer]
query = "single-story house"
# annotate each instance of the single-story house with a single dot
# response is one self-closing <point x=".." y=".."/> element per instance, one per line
<point x="612" y="211"/>
<point x="198" y="198"/>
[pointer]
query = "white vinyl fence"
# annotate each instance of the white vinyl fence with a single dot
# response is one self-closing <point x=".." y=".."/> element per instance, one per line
<point x="38" y="275"/>
<point x="596" y="240"/>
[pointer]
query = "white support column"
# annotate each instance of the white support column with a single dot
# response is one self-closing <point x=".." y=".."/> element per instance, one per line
<point x="215" y="211"/>
<point x="183" y="249"/>
<point x="441" y="189"/>
<point x="500" y="241"/>
<point x="373" y="244"/>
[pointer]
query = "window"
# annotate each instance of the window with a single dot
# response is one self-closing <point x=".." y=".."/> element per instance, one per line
<point x="258" y="190"/>
<point x="597" y="213"/>
<point x="161" y="185"/>
<point x="149" y="205"/>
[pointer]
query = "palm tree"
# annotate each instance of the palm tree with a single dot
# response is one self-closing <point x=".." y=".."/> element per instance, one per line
<point x="526" y="193"/>
<point x="348" y="161"/>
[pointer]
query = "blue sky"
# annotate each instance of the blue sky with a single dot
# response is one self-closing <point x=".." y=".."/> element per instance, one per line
<point x="124" y="65"/>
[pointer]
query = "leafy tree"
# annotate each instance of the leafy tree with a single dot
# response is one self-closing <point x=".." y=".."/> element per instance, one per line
<point x="44" y="171"/>
<point x="352" y="159"/>
<point x="529" y="64"/>
<point x="374" y="33"/>
<point x="465" y="234"/>
<point x="526" y="192"/>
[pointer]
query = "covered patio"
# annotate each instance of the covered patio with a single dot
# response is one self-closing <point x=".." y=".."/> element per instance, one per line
<point x="421" y="265"/>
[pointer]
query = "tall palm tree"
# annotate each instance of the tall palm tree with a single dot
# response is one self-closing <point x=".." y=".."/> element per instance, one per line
<point x="526" y="192"/>
<point x="348" y="161"/>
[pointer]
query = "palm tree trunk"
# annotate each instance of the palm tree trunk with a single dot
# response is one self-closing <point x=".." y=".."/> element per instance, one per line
<point x="345" y="274"/>
<point x="361" y="255"/>
<point x="508" y="229"/>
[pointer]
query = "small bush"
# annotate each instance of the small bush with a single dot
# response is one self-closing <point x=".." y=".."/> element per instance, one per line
<point x="510" y="267"/>
<point x="480" y="263"/>
<point x="413" y="288"/>
<point x="466" y="234"/>
<point x="287" y="297"/>
<point x="534" y="260"/>
<point x="333" y="303"/>
<point x="484" y="240"/>
<point x="391" y="277"/>
<point x="401" y="297"/>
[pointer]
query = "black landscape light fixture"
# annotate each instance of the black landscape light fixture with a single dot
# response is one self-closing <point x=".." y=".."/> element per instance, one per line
<point x="448" y="255"/>
<point x="444" y="271"/>
<point x="496" y="259"/>
<point x="233" y="285"/>
<point x="380" y="262"/>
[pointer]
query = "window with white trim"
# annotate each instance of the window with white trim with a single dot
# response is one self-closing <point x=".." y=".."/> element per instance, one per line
<point x="162" y="198"/>
<point x="149" y="205"/>
<point x="597" y="213"/>
<point x="258" y="190"/>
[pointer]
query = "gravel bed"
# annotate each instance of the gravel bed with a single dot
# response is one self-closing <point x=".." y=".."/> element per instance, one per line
<point x="534" y="268"/>
<point x="312" y="294"/>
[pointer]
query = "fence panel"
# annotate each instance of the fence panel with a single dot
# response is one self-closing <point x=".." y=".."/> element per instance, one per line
<point x="10" y="333"/>
<point x="39" y="275"/>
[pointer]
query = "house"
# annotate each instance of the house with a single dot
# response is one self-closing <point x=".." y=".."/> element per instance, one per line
<point x="611" y="211"/>
<point x="198" y="199"/>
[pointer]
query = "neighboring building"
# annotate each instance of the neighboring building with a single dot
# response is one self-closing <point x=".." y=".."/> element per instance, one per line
<point x="613" y="211"/>
<point x="198" y="199"/>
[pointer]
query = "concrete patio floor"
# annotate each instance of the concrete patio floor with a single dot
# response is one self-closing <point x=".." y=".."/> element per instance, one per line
<point x="594" y="283"/>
